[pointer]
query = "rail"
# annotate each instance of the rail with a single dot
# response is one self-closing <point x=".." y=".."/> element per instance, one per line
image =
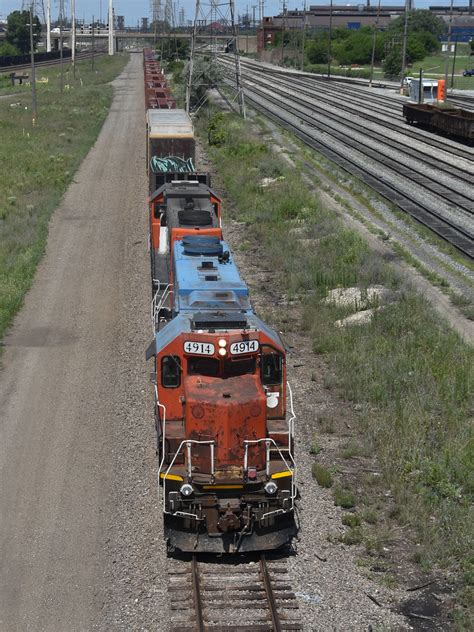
<point x="260" y="593"/>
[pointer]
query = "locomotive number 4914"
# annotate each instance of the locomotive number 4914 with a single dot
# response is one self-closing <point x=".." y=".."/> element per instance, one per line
<point x="198" y="348"/>
<point x="246" y="346"/>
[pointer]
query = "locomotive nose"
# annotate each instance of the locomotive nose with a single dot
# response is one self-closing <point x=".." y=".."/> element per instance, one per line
<point x="226" y="411"/>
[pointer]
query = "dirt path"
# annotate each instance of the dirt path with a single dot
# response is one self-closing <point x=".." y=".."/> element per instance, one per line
<point x="72" y="377"/>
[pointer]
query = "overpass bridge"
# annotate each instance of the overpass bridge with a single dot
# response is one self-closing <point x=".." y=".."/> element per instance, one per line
<point x="246" y="43"/>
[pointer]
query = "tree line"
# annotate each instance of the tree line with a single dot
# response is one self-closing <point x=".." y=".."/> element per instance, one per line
<point x="351" y="47"/>
<point x="17" y="40"/>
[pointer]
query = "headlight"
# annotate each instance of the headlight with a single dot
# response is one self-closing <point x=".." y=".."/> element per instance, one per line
<point x="187" y="489"/>
<point x="270" y="488"/>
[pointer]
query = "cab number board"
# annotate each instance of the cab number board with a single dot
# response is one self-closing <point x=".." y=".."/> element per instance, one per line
<point x="198" y="348"/>
<point x="245" y="346"/>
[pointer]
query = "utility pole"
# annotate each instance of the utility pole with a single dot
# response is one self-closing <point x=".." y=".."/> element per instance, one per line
<point x="48" y="26"/>
<point x="446" y="66"/>
<point x="61" y="65"/>
<point x="283" y="32"/>
<point x="374" y="39"/>
<point x="238" y="71"/>
<point x="73" y="37"/>
<point x="191" y="60"/>
<point x="454" y="63"/>
<point x="303" y="39"/>
<point x="111" y="28"/>
<point x="330" y="41"/>
<point x="93" y="43"/>
<point x="404" y="45"/>
<point x="33" y="73"/>
<point x="225" y="14"/>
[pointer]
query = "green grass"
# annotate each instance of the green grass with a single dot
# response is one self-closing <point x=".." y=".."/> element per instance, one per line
<point x="412" y="375"/>
<point x="344" y="498"/>
<point x="351" y="520"/>
<point x="434" y="68"/>
<point x="322" y="475"/>
<point x="38" y="162"/>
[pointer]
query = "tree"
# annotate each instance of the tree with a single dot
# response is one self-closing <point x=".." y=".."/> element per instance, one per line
<point x="8" y="50"/>
<point x="392" y="66"/>
<point x="420" y="21"/>
<point x="317" y="50"/>
<point x="415" y="49"/>
<point x="356" y="48"/>
<point x="18" y="31"/>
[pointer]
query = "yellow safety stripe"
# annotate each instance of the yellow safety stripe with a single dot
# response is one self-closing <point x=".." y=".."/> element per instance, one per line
<point x="171" y="477"/>
<point x="282" y="474"/>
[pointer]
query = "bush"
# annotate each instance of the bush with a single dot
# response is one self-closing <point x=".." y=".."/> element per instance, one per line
<point x="315" y="448"/>
<point x="352" y="536"/>
<point x="216" y="132"/>
<point x="351" y="520"/>
<point x="8" y="50"/>
<point x="344" y="498"/>
<point x="317" y="51"/>
<point x="322" y="475"/>
<point x="392" y="66"/>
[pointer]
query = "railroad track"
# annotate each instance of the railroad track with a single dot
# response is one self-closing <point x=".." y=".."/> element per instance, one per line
<point x="52" y="62"/>
<point x="454" y="226"/>
<point x="250" y="596"/>
<point x="366" y="105"/>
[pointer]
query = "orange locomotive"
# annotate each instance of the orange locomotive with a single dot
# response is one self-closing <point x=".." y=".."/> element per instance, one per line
<point x="225" y="441"/>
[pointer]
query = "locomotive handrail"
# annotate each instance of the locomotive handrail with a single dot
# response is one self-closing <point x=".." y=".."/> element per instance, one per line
<point x="157" y="403"/>
<point x="291" y="468"/>
<point x="291" y="425"/>
<point x="158" y="302"/>
<point x="188" y="443"/>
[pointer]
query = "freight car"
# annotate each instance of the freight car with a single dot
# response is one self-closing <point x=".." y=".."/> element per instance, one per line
<point x="446" y="119"/>
<point x="225" y="440"/>
<point x="170" y="142"/>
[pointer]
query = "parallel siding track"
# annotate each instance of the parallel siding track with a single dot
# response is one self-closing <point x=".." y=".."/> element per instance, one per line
<point x="245" y="597"/>
<point x="317" y="134"/>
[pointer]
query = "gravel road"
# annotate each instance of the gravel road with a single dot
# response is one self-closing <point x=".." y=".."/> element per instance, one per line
<point x="71" y="390"/>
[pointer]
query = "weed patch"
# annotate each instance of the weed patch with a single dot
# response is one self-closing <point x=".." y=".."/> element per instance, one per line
<point x="37" y="164"/>
<point x="322" y="475"/>
<point x="344" y="498"/>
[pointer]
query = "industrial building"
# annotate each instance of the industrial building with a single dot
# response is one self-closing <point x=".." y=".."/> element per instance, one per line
<point x="355" y="16"/>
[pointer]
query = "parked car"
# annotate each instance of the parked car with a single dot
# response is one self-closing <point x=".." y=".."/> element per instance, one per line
<point x="468" y="73"/>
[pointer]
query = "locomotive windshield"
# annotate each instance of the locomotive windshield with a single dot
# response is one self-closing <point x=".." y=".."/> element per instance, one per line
<point x="211" y="367"/>
<point x="271" y="369"/>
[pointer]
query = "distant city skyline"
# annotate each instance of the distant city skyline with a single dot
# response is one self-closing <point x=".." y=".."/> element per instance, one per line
<point x="133" y="10"/>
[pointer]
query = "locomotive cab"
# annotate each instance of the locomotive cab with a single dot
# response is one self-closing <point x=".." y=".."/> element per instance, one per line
<point x="224" y="441"/>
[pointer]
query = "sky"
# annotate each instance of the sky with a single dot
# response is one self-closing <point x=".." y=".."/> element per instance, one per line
<point x="135" y="9"/>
